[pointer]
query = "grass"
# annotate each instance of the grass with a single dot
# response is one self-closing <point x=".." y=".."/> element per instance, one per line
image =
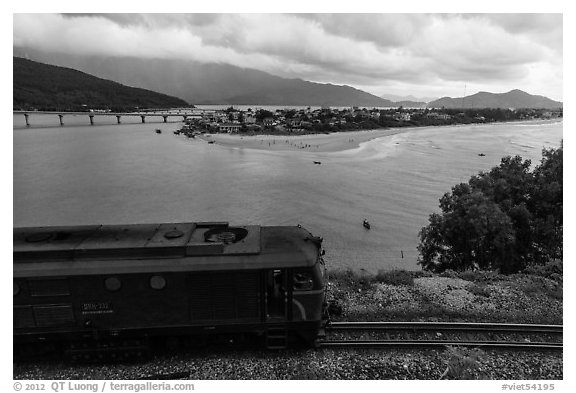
<point x="517" y="298"/>
<point x="479" y="290"/>
<point x="463" y="363"/>
<point x="395" y="277"/>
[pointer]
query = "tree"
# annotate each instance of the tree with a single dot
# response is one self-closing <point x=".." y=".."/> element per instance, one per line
<point x="504" y="219"/>
<point x="546" y="204"/>
<point x="472" y="233"/>
<point x="261" y="114"/>
<point x="507" y="184"/>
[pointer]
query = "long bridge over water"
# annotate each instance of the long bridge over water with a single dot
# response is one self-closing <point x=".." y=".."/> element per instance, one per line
<point x="91" y="115"/>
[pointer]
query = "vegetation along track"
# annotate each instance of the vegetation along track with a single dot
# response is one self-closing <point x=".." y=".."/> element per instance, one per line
<point x="421" y="328"/>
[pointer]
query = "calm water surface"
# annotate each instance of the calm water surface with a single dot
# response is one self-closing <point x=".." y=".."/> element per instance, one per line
<point x="114" y="174"/>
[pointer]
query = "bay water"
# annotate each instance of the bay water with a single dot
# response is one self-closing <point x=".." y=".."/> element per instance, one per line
<point x="118" y="174"/>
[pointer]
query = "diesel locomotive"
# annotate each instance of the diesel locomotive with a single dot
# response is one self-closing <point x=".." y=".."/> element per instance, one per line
<point x="113" y="286"/>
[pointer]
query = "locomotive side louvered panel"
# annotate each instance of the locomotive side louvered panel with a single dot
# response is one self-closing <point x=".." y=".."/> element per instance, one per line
<point x="247" y="295"/>
<point x="200" y="295"/>
<point x="54" y="315"/>
<point x="59" y="315"/>
<point x="23" y="317"/>
<point x="224" y="296"/>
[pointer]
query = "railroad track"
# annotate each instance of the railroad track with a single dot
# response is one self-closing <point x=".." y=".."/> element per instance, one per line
<point x="456" y="327"/>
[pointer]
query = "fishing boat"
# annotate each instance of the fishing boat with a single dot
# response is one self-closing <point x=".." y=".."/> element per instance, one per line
<point x="366" y="224"/>
<point x="158" y="131"/>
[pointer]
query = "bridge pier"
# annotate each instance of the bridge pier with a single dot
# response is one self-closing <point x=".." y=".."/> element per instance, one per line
<point x="61" y="120"/>
<point x="165" y="118"/>
<point x="91" y="119"/>
<point x="118" y="118"/>
<point x="143" y="118"/>
<point x="26" y="115"/>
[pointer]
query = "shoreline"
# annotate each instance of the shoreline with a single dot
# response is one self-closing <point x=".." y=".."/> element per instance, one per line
<point x="322" y="143"/>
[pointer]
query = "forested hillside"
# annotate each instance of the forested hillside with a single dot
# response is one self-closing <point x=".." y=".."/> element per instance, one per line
<point x="47" y="87"/>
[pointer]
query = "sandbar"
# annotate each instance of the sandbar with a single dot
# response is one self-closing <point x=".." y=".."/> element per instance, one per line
<point x="332" y="142"/>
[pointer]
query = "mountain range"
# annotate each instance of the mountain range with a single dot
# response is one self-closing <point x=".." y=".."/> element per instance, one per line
<point x="200" y="83"/>
<point x="399" y="98"/>
<point x="224" y="84"/>
<point x="47" y="87"/>
<point x="512" y="99"/>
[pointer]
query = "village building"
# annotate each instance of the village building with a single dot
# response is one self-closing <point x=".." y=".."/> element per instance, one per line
<point x="249" y="119"/>
<point x="229" y="127"/>
<point x="268" y="121"/>
<point x="438" y="116"/>
<point x="294" y="122"/>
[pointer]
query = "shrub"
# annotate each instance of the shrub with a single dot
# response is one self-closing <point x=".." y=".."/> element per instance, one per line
<point x="552" y="270"/>
<point x="449" y="274"/>
<point x="479" y="290"/>
<point x="463" y="363"/>
<point x="351" y="279"/>
<point x="395" y="277"/>
<point x="478" y="276"/>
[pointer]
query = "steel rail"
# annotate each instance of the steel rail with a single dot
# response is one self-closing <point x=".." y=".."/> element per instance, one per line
<point x="446" y="326"/>
<point x="437" y="344"/>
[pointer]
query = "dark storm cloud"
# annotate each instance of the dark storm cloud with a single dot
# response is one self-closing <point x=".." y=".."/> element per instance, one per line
<point x="368" y="49"/>
<point x="384" y="30"/>
<point x="120" y="19"/>
<point x="150" y="20"/>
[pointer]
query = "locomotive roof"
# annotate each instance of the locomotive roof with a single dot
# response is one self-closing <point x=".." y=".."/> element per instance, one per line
<point x="141" y="248"/>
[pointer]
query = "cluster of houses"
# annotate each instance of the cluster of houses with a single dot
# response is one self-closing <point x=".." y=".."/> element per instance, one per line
<point x="287" y="120"/>
<point x="292" y="120"/>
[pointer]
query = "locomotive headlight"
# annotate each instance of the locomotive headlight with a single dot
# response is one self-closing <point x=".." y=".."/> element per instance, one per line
<point x="303" y="281"/>
<point x="157" y="282"/>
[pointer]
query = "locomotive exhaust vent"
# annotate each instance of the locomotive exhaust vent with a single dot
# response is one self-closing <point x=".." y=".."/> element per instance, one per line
<point x="226" y="235"/>
<point x="224" y="240"/>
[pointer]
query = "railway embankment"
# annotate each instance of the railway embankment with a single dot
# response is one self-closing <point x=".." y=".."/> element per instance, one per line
<point x="532" y="297"/>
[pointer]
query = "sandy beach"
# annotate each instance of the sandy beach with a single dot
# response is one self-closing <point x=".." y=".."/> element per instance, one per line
<point x="336" y="141"/>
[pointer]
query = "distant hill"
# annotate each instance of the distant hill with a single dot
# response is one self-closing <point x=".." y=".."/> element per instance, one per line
<point x="201" y="83"/>
<point x="410" y="104"/>
<point x="398" y="98"/>
<point x="513" y="99"/>
<point x="300" y="92"/>
<point x="47" y="87"/>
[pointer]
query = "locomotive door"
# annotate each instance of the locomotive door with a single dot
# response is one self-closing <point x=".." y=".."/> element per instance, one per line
<point x="276" y="294"/>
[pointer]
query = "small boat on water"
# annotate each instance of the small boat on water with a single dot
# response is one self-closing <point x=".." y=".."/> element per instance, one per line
<point x="366" y="224"/>
<point x="317" y="162"/>
<point x="158" y="131"/>
<point x="481" y="154"/>
<point x="210" y="142"/>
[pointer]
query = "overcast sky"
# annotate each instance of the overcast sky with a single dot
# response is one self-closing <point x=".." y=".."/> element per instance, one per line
<point x="430" y="55"/>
